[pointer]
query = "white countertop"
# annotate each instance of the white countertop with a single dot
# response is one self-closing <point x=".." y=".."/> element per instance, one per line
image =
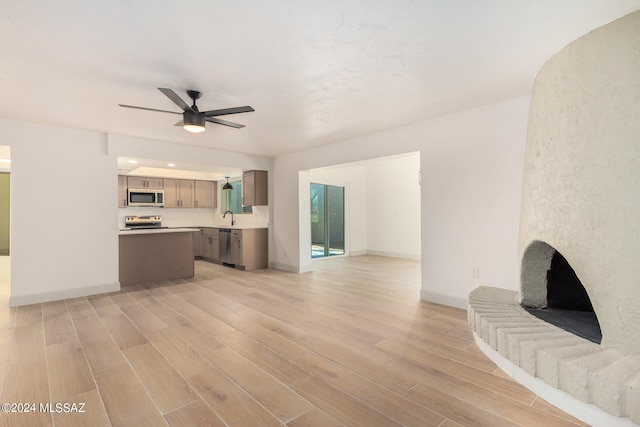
<point x="237" y="227"/>
<point x="127" y="232"/>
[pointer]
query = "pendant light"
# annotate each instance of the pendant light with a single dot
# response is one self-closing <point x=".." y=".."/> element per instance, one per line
<point x="227" y="186"/>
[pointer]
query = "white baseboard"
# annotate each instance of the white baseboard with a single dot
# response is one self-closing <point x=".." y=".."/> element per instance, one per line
<point x="358" y="253"/>
<point x="443" y="299"/>
<point x="289" y="268"/>
<point x="17" y="300"/>
<point x="394" y="254"/>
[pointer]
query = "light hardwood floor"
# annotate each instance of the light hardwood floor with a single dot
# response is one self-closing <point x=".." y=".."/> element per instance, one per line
<point x="349" y="344"/>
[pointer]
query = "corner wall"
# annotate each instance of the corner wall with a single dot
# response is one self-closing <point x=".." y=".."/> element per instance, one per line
<point x="64" y="234"/>
<point x="5" y="180"/>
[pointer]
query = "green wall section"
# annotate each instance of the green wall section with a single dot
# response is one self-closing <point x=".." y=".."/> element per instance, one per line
<point x="4" y="213"/>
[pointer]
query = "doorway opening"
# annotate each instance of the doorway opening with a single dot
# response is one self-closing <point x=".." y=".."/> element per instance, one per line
<point x="5" y="223"/>
<point x="327" y="220"/>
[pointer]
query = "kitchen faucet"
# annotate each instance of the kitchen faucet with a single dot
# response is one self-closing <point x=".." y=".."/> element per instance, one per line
<point x="232" y="220"/>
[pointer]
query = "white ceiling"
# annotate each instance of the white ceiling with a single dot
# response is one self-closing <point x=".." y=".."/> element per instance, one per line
<point x="316" y="72"/>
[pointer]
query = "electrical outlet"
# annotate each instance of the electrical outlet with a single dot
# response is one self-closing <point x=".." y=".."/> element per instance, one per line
<point x="475" y="273"/>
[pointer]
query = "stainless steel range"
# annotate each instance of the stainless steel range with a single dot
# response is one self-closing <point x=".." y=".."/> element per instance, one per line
<point x="143" y="222"/>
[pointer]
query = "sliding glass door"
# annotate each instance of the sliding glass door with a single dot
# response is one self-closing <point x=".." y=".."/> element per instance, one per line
<point x="327" y="220"/>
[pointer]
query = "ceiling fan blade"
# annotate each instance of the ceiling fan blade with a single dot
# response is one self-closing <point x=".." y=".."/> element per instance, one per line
<point x="224" y="122"/>
<point x="148" y="109"/>
<point x="180" y="123"/>
<point x="175" y="98"/>
<point x="225" y="111"/>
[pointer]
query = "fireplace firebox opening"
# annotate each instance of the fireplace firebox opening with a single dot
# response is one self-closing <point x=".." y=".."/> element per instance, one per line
<point x="552" y="291"/>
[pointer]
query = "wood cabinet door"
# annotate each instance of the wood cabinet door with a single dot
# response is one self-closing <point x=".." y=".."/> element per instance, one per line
<point x="215" y="246"/>
<point x="186" y="193"/>
<point x="178" y="193"/>
<point x="136" y="182"/>
<point x="155" y="183"/>
<point x="145" y="182"/>
<point x="210" y="243"/>
<point x="248" y="188"/>
<point x="205" y="194"/>
<point x="254" y="188"/>
<point x="236" y="247"/>
<point x="171" y="193"/>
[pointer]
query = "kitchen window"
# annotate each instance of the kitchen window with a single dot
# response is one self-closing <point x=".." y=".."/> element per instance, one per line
<point x="231" y="200"/>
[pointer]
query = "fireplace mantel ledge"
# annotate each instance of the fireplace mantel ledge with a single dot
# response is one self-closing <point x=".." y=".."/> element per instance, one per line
<point x="597" y="385"/>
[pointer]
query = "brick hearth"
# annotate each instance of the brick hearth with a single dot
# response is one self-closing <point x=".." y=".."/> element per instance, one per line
<point x="605" y="377"/>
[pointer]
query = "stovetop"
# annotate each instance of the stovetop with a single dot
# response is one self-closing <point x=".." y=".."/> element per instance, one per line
<point x="135" y="222"/>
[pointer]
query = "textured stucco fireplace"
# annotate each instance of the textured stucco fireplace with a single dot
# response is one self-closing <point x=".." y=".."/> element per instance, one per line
<point x="581" y="197"/>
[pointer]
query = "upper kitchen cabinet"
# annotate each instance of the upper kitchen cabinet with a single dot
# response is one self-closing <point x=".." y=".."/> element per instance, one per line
<point x="122" y="191"/>
<point x="205" y="194"/>
<point x="145" y="182"/>
<point x="254" y="188"/>
<point x="178" y="193"/>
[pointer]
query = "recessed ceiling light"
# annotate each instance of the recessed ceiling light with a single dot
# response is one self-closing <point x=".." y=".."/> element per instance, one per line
<point x="133" y="161"/>
<point x="171" y="165"/>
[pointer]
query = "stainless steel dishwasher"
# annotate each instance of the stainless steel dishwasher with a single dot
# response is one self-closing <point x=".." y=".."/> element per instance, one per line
<point x="226" y="257"/>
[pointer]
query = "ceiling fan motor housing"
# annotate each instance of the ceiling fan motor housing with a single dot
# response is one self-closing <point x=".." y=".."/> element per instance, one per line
<point x="193" y="118"/>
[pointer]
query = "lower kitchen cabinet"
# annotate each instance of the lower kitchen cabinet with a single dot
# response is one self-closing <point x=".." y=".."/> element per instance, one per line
<point x="210" y="244"/>
<point x="236" y="247"/>
<point x="249" y="248"/>
<point x="244" y="249"/>
<point x="155" y="257"/>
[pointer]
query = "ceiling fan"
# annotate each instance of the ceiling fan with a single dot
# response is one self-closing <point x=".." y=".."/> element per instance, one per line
<point x="193" y="120"/>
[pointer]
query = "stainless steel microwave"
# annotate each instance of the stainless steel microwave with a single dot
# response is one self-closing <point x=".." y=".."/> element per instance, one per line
<point x="145" y="197"/>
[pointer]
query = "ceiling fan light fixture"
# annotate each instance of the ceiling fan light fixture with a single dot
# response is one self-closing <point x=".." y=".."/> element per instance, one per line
<point x="194" y="128"/>
<point x="193" y="122"/>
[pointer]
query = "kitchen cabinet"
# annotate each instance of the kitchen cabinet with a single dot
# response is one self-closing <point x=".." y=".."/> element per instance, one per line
<point x="197" y="245"/>
<point x="254" y="188"/>
<point x="205" y="194"/>
<point x="178" y="193"/>
<point x="155" y="257"/>
<point x="145" y="182"/>
<point x="236" y="247"/>
<point x="249" y="248"/>
<point x="210" y="244"/>
<point x="122" y="191"/>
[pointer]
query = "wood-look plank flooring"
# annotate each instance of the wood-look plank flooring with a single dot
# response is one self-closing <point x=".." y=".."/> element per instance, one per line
<point x="348" y="344"/>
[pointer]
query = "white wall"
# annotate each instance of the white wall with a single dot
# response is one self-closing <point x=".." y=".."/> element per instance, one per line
<point x="63" y="222"/>
<point x="471" y="165"/>
<point x="471" y="194"/>
<point x="5" y="179"/>
<point x="393" y="207"/>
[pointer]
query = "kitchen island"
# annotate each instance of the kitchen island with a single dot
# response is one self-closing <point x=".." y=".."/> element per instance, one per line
<point x="155" y="255"/>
